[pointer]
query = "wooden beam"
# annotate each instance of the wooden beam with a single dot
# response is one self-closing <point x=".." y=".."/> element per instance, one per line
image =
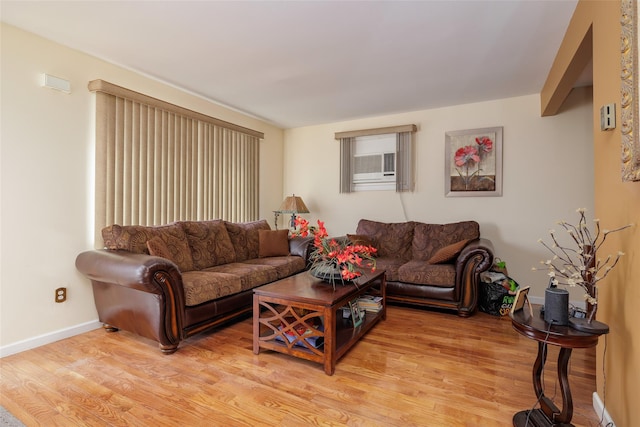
<point x="573" y="56"/>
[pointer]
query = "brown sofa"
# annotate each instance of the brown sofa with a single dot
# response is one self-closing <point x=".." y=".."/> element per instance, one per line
<point x="169" y="282"/>
<point x="433" y="265"/>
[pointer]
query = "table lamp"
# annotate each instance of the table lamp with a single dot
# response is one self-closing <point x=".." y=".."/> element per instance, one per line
<point x="291" y="204"/>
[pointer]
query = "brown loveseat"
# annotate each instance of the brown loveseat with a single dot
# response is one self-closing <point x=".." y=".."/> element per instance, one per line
<point x="434" y="265"/>
<point x="169" y="282"/>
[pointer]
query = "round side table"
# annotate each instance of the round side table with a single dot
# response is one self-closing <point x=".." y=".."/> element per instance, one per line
<point x="531" y="324"/>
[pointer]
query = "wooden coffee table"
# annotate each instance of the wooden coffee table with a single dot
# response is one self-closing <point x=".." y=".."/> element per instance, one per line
<point x="300" y="316"/>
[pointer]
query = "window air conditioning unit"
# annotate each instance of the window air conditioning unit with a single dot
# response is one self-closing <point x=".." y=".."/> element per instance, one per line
<point x="379" y="167"/>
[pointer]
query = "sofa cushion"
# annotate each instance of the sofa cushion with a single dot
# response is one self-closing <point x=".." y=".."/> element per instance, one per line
<point x="448" y="253"/>
<point x="209" y="242"/>
<point x="173" y="248"/>
<point x="244" y="237"/>
<point x="285" y="266"/>
<point x="391" y="239"/>
<point x="273" y="243"/>
<point x="157" y="247"/>
<point x="204" y="286"/>
<point x="251" y="275"/>
<point x="429" y="238"/>
<point x="423" y="273"/>
<point x="132" y="238"/>
<point x="390" y="266"/>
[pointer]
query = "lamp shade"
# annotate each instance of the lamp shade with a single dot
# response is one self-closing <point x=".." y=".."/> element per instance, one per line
<point x="293" y="204"/>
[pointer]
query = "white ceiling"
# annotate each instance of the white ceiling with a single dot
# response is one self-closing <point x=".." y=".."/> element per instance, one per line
<point x="298" y="63"/>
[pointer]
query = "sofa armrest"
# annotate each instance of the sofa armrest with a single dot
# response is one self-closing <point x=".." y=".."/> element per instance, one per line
<point x="301" y="246"/>
<point x="140" y="293"/>
<point x="478" y="247"/>
<point x="475" y="257"/>
<point x="125" y="268"/>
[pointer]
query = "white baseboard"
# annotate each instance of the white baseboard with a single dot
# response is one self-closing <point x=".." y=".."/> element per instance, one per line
<point x="604" y="418"/>
<point x="40" y="340"/>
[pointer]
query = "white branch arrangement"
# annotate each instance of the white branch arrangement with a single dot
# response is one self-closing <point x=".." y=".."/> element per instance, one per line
<point x="579" y="266"/>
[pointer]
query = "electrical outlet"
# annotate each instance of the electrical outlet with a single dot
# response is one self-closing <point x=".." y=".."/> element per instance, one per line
<point x="608" y="117"/>
<point x="61" y="294"/>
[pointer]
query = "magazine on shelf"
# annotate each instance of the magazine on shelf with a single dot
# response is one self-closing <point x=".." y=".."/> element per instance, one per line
<point x="370" y="303"/>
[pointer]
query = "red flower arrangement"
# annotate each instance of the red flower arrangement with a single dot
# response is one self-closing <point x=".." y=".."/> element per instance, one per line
<point x="331" y="255"/>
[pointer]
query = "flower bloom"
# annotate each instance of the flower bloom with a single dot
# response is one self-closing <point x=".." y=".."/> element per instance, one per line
<point x="349" y="259"/>
<point x="467" y="154"/>
<point x="485" y="144"/>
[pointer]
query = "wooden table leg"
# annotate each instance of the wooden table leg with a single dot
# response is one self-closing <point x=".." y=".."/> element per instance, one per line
<point x="567" y="401"/>
<point x="256" y="325"/>
<point x="538" y="367"/>
<point x="329" y="341"/>
<point x="549" y="415"/>
<point x="547" y="407"/>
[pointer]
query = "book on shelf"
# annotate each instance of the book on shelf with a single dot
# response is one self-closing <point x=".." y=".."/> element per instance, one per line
<point x="310" y="334"/>
<point x="370" y="303"/>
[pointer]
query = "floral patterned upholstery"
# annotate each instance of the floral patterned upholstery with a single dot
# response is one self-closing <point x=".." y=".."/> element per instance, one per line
<point x="201" y="275"/>
<point x="216" y="258"/>
<point x="203" y="286"/>
<point x="414" y="276"/>
<point x="285" y="265"/>
<point x="428" y="238"/>
<point x="419" y="272"/>
<point x="391" y="267"/>
<point x="132" y="238"/>
<point x="209" y="242"/>
<point x="391" y="239"/>
<point x="244" y="237"/>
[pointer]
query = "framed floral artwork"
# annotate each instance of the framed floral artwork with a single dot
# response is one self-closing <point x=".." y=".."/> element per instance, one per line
<point x="473" y="162"/>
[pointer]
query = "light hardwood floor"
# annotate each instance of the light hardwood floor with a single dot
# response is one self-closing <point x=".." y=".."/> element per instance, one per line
<point x="417" y="368"/>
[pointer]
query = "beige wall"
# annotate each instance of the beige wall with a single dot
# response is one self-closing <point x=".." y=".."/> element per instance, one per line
<point x="547" y="175"/>
<point x="47" y="178"/>
<point x="616" y="203"/>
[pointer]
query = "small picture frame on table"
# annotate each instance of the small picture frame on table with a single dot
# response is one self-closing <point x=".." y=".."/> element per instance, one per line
<point x="520" y="300"/>
<point x="356" y="316"/>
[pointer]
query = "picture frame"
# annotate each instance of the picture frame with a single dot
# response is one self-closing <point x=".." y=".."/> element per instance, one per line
<point x="473" y="162"/>
<point x="520" y="299"/>
<point x="356" y="317"/>
<point x="630" y="92"/>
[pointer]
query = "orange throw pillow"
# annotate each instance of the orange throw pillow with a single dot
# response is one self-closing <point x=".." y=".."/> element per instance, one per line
<point x="448" y="253"/>
<point x="273" y="243"/>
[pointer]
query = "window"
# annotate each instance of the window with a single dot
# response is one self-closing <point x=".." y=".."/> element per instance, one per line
<point x="377" y="159"/>
<point x="374" y="162"/>
<point x="157" y="162"/>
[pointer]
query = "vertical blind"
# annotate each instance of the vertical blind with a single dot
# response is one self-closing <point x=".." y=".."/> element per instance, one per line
<point x="346" y="154"/>
<point x="404" y="162"/>
<point x="157" y="162"/>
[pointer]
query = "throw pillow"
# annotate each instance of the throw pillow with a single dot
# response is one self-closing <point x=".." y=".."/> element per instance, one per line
<point x="273" y="243"/>
<point x="448" y="253"/>
<point x="175" y="251"/>
<point x="360" y="239"/>
<point x="157" y="247"/>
